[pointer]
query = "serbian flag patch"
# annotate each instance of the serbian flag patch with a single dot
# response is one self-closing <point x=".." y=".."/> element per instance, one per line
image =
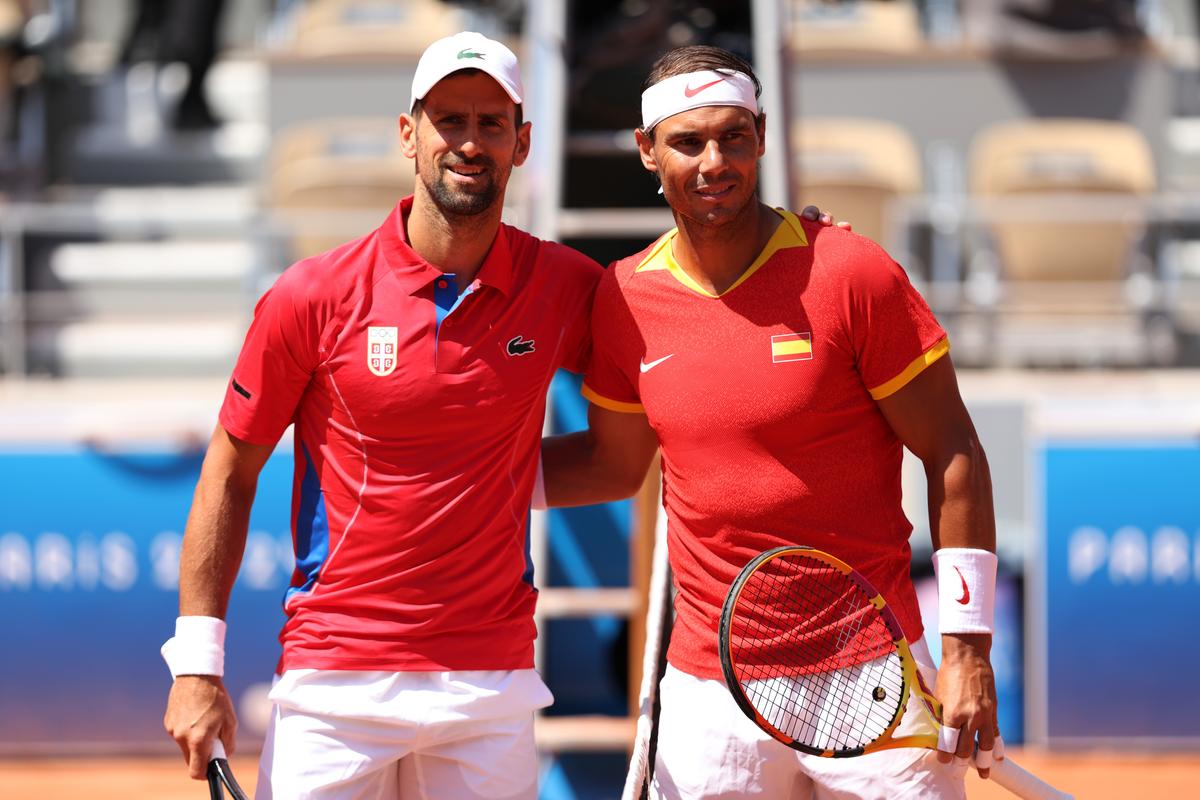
<point x="791" y="347"/>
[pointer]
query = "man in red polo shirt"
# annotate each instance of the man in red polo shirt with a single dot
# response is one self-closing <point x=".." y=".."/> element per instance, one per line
<point x="414" y="364"/>
<point x="781" y="367"/>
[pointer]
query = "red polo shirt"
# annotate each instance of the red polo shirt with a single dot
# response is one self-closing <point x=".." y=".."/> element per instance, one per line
<point x="417" y="430"/>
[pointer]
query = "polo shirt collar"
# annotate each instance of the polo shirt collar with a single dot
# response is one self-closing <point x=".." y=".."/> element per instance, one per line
<point x="414" y="272"/>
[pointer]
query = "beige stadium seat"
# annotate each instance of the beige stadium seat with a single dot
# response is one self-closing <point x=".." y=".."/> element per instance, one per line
<point x="336" y="179"/>
<point x="1058" y="165"/>
<point x="871" y="26"/>
<point x="367" y="28"/>
<point x="855" y="169"/>
<point x="1064" y="200"/>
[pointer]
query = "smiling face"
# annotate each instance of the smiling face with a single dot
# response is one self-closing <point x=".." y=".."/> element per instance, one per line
<point x="707" y="160"/>
<point x="466" y="141"/>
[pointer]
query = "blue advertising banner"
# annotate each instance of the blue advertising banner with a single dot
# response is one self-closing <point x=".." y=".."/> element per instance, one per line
<point x="89" y="566"/>
<point x="1120" y="571"/>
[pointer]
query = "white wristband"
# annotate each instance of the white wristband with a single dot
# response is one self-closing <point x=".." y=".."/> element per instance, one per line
<point x="966" y="579"/>
<point x="197" y="648"/>
<point x="538" y="501"/>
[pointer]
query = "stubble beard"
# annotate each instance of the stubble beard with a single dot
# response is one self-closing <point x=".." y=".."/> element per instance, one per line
<point x="457" y="202"/>
<point x="722" y="223"/>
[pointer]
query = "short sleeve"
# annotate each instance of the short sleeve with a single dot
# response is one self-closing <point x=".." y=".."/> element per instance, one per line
<point x="616" y="347"/>
<point x="894" y="334"/>
<point x="276" y="362"/>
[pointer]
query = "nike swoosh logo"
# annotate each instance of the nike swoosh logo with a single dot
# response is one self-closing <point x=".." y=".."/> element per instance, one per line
<point x="690" y="92"/>
<point x="966" y="598"/>
<point x="644" y="367"/>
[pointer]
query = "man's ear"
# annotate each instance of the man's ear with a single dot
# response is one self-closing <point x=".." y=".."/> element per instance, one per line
<point x="646" y="150"/>
<point x="523" y="138"/>
<point x="408" y="135"/>
<point x="761" y="124"/>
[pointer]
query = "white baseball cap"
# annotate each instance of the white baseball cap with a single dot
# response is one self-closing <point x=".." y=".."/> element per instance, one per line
<point x="467" y="50"/>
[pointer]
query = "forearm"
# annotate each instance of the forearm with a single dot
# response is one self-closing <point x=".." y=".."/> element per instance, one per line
<point x="215" y="537"/>
<point x="577" y="472"/>
<point x="962" y="525"/>
<point x="199" y="707"/>
<point x="960" y="499"/>
<point x="213" y="544"/>
<point x="961" y="516"/>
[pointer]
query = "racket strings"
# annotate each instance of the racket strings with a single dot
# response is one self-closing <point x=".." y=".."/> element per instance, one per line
<point x="814" y="656"/>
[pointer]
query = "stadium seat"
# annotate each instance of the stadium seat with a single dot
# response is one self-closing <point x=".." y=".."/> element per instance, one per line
<point x="855" y="168"/>
<point x="880" y="26"/>
<point x="1057" y="29"/>
<point x="109" y="347"/>
<point x="367" y="28"/>
<point x="342" y="175"/>
<point x="1064" y="203"/>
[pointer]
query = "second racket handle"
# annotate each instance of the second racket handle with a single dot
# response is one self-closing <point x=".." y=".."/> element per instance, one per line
<point x="1024" y="784"/>
<point x="218" y="750"/>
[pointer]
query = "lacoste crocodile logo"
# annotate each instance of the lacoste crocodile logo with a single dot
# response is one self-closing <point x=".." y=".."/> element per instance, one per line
<point x="517" y="347"/>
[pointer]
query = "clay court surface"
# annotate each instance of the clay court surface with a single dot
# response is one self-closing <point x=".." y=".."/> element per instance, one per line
<point x="1092" y="776"/>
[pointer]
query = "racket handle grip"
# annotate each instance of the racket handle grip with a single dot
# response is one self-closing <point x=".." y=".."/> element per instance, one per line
<point x="218" y="750"/>
<point x="1024" y="784"/>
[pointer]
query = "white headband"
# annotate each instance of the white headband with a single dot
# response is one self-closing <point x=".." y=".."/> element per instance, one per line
<point x="680" y="93"/>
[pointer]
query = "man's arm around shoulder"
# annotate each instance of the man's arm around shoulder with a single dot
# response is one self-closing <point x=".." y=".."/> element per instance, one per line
<point x="608" y="461"/>
<point x="199" y="708"/>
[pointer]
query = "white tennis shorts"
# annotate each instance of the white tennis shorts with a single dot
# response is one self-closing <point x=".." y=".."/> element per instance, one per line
<point x="708" y="748"/>
<point x="342" y="735"/>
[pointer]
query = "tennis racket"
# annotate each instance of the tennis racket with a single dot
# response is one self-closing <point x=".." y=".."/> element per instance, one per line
<point x="658" y="633"/>
<point x="814" y="656"/>
<point x="220" y="776"/>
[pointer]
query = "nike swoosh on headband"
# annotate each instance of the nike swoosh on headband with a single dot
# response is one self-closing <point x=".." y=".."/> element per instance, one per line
<point x="688" y="91"/>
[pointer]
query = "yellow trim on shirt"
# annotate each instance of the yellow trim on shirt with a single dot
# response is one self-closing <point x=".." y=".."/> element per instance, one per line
<point x="914" y="369"/>
<point x="790" y="233"/>
<point x="652" y="261"/>
<point x="611" y="405"/>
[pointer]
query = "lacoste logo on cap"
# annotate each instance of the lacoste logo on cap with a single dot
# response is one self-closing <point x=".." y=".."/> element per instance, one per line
<point x="467" y="52"/>
<point x="517" y="347"/>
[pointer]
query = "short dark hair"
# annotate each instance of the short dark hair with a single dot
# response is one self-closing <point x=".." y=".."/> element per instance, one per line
<point x="416" y="109"/>
<point x="694" y="58"/>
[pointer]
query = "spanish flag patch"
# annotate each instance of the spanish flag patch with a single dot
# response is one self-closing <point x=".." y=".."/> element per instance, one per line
<point x="791" y="347"/>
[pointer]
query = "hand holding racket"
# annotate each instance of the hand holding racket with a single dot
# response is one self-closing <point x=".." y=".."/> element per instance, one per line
<point x="220" y="775"/>
<point x="813" y="655"/>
